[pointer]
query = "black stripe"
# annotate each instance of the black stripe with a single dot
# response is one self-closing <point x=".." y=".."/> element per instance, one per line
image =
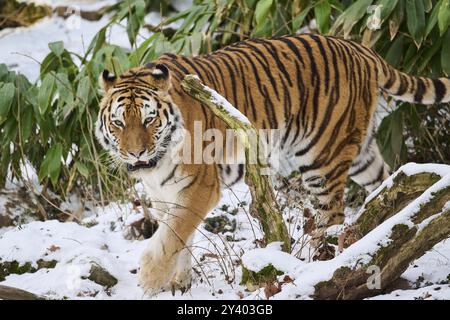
<point x="293" y="48"/>
<point x="420" y="90"/>
<point x="240" y="174"/>
<point x="377" y="179"/>
<point x="403" y="85"/>
<point x="170" y="176"/>
<point x="367" y="163"/>
<point x="440" y="90"/>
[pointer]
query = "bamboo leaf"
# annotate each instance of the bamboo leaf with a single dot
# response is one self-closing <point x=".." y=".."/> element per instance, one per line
<point x="445" y="53"/>
<point x="46" y="91"/>
<point x="322" y="12"/>
<point x="432" y="20"/>
<point x="415" y="14"/>
<point x="26" y="125"/>
<point x="262" y="11"/>
<point x="57" y="48"/>
<point x="444" y="16"/>
<point x="51" y="166"/>
<point x="298" y="20"/>
<point x="395" y="53"/>
<point x="7" y="92"/>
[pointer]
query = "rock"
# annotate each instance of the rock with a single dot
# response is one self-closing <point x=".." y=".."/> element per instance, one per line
<point x="102" y="277"/>
<point x="219" y="224"/>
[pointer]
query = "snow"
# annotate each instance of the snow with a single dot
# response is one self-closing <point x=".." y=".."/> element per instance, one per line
<point x="411" y="169"/>
<point x="232" y="111"/>
<point x="86" y="5"/>
<point x="255" y="260"/>
<point x="99" y="239"/>
<point x="24" y="48"/>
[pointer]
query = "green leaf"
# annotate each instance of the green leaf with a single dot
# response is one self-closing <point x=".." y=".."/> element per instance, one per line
<point x="26" y="124"/>
<point x="444" y="16"/>
<point x="347" y="20"/>
<point x="298" y="20"/>
<point x="432" y="20"/>
<point x="445" y="53"/>
<point x="82" y="169"/>
<point x="46" y="91"/>
<point x="51" y="166"/>
<point x="397" y="132"/>
<point x="322" y="12"/>
<point x="64" y="88"/>
<point x="396" y="19"/>
<point x="415" y="14"/>
<point x="57" y="48"/>
<point x="262" y="11"/>
<point x="387" y="6"/>
<point x="428" y="5"/>
<point x="3" y="71"/>
<point x="83" y="90"/>
<point x="9" y="131"/>
<point x="135" y="20"/>
<point x="395" y="53"/>
<point x="7" y="92"/>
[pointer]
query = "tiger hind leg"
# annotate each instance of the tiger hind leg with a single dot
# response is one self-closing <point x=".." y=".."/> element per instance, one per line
<point x="369" y="169"/>
<point x="328" y="191"/>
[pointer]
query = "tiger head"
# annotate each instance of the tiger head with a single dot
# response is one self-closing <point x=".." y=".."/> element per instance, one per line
<point x="137" y="117"/>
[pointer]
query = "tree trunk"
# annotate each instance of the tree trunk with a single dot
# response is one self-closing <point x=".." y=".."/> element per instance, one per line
<point x="264" y="204"/>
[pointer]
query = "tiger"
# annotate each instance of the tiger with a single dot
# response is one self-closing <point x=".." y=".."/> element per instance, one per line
<point x="321" y="91"/>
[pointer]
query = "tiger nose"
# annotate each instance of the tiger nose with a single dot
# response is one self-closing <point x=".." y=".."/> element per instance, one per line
<point x="138" y="153"/>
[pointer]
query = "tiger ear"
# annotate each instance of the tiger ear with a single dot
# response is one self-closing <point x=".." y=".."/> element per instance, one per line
<point x="107" y="80"/>
<point x="160" y="76"/>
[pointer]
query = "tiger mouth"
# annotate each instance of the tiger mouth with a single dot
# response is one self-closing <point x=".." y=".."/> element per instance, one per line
<point x="140" y="165"/>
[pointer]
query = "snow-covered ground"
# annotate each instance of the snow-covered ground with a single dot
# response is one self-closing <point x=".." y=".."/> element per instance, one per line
<point x="100" y="239"/>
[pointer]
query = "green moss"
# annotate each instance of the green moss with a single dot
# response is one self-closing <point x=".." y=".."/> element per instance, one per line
<point x="398" y="231"/>
<point x="332" y="240"/>
<point x="219" y="224"/>
<point x="439" y="198"/>
<point x="391" y="200"/>
<point x="14" y="267"/>
<point x="256" y="279"/>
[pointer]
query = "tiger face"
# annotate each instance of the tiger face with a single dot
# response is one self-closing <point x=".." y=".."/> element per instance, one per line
<point x="137" y="117"/>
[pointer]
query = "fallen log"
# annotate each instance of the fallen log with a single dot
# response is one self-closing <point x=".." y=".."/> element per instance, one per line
<point x="14" y="13"/>
<point x="419" y="205"/>
<point x="408" y="228"/>
<point x="10" y="293"/>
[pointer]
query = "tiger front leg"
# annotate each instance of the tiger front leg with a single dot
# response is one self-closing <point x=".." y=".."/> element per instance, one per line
<point x="166" y="263"/>
<point x="159" y="262"/>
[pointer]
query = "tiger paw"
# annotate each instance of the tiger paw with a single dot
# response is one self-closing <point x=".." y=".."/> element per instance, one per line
<point x="156" y="270"/>
<point x="181" y="281"/>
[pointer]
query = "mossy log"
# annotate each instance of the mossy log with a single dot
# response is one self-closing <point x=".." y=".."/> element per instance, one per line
<point x="15" y="13"/>
<point x="10" y="293"/>
<point x="264" y="204"/>
<point x="392" y="199"/>
<point x="407" y="241"/>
